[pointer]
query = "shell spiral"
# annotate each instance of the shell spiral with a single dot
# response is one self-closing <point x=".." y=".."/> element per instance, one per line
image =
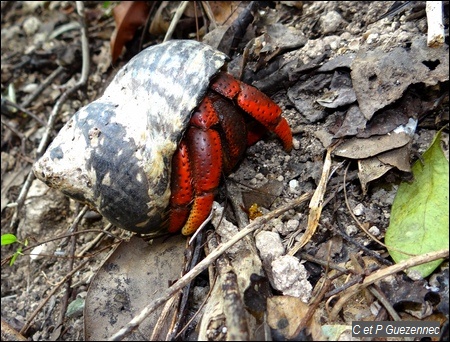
<point x="115" y="153"/>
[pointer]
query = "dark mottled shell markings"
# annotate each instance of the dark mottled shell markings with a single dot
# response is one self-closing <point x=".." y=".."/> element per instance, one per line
<point x="116" y="152"/>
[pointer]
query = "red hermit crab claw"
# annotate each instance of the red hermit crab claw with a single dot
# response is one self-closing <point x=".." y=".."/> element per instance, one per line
<point x="150" y="152"/>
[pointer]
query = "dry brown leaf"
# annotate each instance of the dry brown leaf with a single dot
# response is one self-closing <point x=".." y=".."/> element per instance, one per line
<point x="133" y="275"/>
<point x="129" y="16"/>
<point x="371" y="169"/>
<point x="375" y="167"/>
<point x="315" y="205"/>
<point x="161" y="21"/>
<point x="225" y="12"/>
<point x="285" y="313"/>
<point x="356" y="148"/>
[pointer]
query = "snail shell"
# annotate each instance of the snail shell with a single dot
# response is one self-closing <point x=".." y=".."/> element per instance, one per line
<point x="115" y="153"/>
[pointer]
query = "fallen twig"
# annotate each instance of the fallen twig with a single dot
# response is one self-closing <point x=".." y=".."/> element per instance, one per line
<point x="42" y="87"/>
<point x="67" y="292"/>
<point x="51" y="121"/>
<point x="315" y="205"/>
<point x="380" y="274"/>
<point x="188" y="277"/>
<point x="435" y="37"/>
<point x="51" y="293"/>
<point x="176" y="18"/>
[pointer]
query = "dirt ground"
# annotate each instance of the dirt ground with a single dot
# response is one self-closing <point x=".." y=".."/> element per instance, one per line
<point x="338" y="70"/>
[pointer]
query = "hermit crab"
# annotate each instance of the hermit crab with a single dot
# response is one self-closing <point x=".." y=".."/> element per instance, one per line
<point x="150" y="152"/>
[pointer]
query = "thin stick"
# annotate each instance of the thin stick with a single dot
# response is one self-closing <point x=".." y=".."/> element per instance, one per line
<point x="209" y="14"/>
<point x="436" y="32"/>
<point x="176" y="18"/>
<point x="51" y="293"/>
<point x="384" y="301"/>
<point x="188" y="277"/>
<point x="42" y="87"/>
<point x="67" y="292"/>
<point x="51" y="120"/>
<point x="94" y="241"/>
<point x="23" y="110"/>
<point x="380" y="274"/>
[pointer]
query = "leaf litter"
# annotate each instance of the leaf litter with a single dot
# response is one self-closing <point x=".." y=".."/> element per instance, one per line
<point x="309" y="78"/>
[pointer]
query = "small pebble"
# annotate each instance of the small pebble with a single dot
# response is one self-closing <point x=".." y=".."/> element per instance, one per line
<point x="374" y="231"/>
<point x="290" y="277"/>
<point x="277" y="224"/>
<point x="358" y="210"/>
<point x="269" y="246"/>
<point x="292" y="225"/>
<point x="293" y="185"/>
<point x="372" y="38"/>
<point x="351" y="230"/>
<point x="29" y="88"/>
<point x="331" y="21"/>
<point x="31" y="25"/>
<point x="259" y="176"/>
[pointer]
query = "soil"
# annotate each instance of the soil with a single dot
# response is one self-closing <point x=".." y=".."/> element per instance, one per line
<point x="293" y="71"/>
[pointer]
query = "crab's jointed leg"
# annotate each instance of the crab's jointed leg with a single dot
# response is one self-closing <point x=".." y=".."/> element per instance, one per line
<point x="213" y="144"/>
<point x="255" y="103"/>
<point x="203" y="168"/>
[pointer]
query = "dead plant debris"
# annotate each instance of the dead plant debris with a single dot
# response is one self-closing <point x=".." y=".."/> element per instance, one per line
<point x="365" y="90"/>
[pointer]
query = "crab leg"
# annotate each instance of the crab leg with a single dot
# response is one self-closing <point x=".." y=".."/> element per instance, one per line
<point x="181" y="180"/>
<point x="206" y="163"/>
<point x="202" y="164"/>
<point x="255" y="103"/>
<point x="204" y="153"/>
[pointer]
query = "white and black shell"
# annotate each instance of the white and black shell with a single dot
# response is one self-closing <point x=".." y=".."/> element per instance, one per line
<point x="115" y="153"/>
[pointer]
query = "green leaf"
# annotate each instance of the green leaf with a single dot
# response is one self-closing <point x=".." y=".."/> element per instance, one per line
<point x="419" y="215"/>
<point x="15" y="256"/>
<point x="75" y="308"/>
<point x="13" y="259"/>
<point x="8" y="239"/>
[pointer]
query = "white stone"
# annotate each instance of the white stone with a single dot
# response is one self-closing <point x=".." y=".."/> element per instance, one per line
<point x="351" y="230"/>
<point x="259" y="176"/>
<point x="292" y="225"/>
<point x="374" y="231"/>
<point x="269" y="246"/>
<point x="331" y="22"/>
<point x="31" y="25"/>
<point x="290" y="277"/>
<point x="358" y="210"/>
<point x="293" y="185"/>
<point x="372" y="38"/>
